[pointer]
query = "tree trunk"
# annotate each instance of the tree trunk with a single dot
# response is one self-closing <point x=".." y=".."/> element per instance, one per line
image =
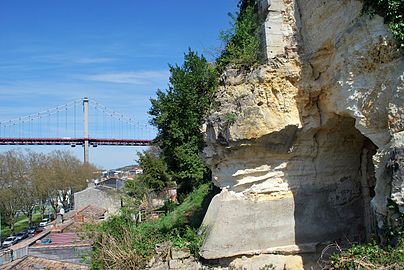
<point x="30" y="214"/>
<point x="42" y="209"/>
<point x="12" y="223"/>
<point x="71" y="199"/>
<point x="65" y="204"/>
<point x="11" y="226"/>
<point x="10" y="218"/>
<point x="54" y="204"/>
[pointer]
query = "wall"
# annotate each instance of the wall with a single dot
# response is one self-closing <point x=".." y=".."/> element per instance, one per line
<point x="99" y="196"/>
<point x="316" y="126"/>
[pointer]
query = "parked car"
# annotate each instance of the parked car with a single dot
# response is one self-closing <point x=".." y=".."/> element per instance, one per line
<point x="21" y="235"/>
<point x="44" y="222"/>
<point x="11" y="240"/>
<point x="32" y="229"/>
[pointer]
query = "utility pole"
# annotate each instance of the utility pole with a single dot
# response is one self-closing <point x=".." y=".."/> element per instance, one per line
<point x="86" y="145"/>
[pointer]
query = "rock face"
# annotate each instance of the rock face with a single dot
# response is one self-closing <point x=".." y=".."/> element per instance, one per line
<point x="308" y="147"/>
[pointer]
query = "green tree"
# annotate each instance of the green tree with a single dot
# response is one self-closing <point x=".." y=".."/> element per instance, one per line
<point x="155" y="174"/>
<point x="39" y="164"/>
<point x="65" y="175"/>
<point x="178" y="115"/>
<point x="134" y="192"/>
<point x="13" y="184"/>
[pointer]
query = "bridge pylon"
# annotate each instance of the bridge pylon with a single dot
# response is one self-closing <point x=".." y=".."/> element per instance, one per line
<point x="85" y="134"/>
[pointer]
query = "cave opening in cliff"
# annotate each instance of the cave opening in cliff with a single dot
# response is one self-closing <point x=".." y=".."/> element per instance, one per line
<point x="355" y="181"/>
<point x="334" y="202"/>
<point x="356" y="188"/>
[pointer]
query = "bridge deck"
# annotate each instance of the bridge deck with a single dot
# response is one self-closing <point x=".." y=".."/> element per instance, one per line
<point x="72" y="141"/>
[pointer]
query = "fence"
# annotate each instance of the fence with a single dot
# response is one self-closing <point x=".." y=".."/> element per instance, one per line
<point x="9" y="255"/>
<point x="6" y="256"/>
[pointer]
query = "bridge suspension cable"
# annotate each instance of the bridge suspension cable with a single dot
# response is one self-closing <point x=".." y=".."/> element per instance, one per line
<point x="62" y="122"/>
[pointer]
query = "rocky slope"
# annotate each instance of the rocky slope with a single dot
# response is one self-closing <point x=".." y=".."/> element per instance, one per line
<point x="308" y="147"/>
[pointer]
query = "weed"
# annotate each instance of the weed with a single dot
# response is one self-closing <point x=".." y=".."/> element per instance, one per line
<point x="119" y="239"/>
<point x="367" y="256"/>
<point x="230" y="118"/>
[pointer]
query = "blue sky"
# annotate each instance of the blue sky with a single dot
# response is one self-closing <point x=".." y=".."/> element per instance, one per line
<point x="116" y="52"/>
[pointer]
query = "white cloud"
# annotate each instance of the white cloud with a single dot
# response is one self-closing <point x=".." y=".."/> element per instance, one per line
<point x="130" y="77"/>
<point x="93" y="60"/>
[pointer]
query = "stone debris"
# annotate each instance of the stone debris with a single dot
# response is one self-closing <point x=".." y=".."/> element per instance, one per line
<point x="177" y="259"/>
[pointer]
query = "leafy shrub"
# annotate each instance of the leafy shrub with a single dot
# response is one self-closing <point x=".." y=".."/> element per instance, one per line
<point x="392" y="11"/>
<point x="120" y="243"/>
<point x="230" y="118"/>
<point x="169" y="206"/>
<point x="369" y="256"/>
<point x="155" y="172"/>
<point x="242" y="39"/>
<point x="134" y="192"/>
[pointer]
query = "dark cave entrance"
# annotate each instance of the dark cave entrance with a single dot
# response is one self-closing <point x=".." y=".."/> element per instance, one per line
<point x="368" y="183"/>
<point x="334" y="204"/>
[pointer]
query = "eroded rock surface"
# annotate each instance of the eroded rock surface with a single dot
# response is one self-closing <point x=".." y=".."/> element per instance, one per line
<point x="308" y="147"/>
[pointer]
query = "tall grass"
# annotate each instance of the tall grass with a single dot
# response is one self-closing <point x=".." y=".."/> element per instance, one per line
<point x="120" y="243"/>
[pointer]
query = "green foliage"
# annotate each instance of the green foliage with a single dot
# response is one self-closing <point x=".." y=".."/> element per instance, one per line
<point x="369" y="256"/>
<point x="134" y="192"/>
<point x="230" y="118"/>
<point x="178" y="114"/>
<point x="190" y="238"/>
<point x="155" y="173"/>
<point x="188" y="212"/>
<point x="242" y="39"/>
<point x="395" y="227"/>
<point x="119" y="239"/>
<point x="392" y="11"/>
<point x="20" y="225"/>
<point x="389" y="254"/>
<point x="168" y="206"/>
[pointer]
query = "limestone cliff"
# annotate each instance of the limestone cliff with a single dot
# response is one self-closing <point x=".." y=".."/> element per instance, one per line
<point x="308" y="147"/>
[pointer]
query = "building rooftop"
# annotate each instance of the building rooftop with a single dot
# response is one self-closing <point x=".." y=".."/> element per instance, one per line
<point x="35" y="263"/>
<point x="62" y="240"/>
<point x="92" y="212"/>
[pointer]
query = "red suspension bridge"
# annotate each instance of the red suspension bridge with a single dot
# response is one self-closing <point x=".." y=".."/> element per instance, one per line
<point x="63" y="124"/>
